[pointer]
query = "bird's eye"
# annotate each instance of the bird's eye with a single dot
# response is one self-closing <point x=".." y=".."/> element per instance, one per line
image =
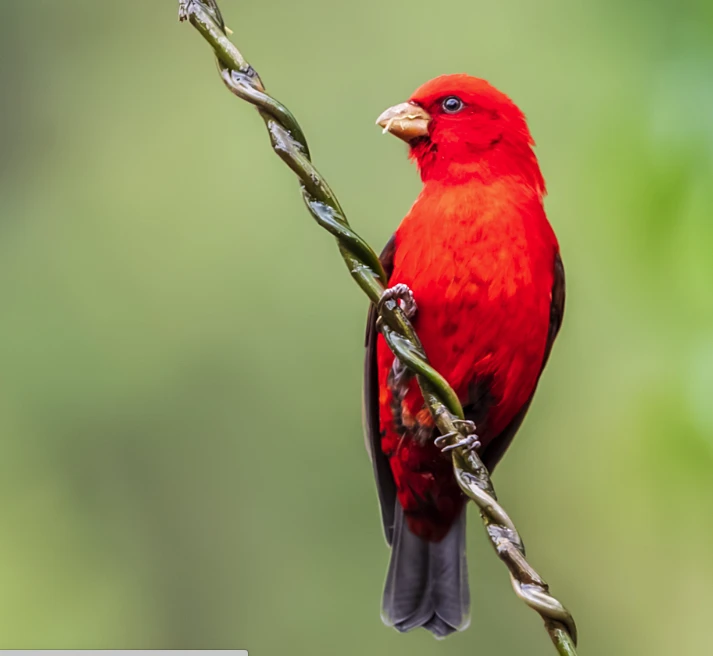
<point x="452" y="105"/>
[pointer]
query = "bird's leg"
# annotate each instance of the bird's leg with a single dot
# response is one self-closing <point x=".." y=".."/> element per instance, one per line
<point x="400" y="374"/>
<point x="403" y="297"/>
<point x="469" y="441"/>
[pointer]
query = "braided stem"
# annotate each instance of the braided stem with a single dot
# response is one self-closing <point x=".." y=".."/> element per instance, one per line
<point x="290" y="144"/>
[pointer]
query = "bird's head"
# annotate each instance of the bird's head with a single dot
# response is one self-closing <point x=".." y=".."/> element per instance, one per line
<point x="458" y="125"/>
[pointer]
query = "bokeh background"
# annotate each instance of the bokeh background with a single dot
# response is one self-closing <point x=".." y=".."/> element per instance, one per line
<point x="181" y="347"/>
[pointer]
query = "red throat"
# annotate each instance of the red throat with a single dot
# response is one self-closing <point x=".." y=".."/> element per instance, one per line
<point x="484" y="167"/>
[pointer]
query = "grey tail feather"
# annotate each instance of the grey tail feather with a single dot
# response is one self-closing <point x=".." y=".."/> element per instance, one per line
<point x="427" y="582"/>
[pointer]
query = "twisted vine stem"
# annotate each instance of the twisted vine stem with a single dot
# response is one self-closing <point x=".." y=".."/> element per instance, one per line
<point x="290" y="144"/>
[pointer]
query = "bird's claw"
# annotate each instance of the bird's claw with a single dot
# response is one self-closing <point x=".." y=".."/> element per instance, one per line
<point x="402" y="293"/>
<point x="468" y="442"/>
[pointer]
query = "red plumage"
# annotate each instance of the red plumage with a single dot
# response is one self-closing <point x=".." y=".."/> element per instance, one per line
<point x="482" y="261"/>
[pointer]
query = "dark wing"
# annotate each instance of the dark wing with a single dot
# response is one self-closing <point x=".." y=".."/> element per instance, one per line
<point x="372" y="432"/>
<point x="497" y="447"/>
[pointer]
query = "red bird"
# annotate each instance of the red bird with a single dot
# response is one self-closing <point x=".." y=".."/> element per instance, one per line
<point x="483" y="265"/>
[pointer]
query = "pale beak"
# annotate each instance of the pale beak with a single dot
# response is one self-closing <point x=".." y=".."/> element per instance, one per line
<point x="405" y="121"/>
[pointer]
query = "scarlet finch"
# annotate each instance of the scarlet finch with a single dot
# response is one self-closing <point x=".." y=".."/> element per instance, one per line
<point x="483" y="264"/>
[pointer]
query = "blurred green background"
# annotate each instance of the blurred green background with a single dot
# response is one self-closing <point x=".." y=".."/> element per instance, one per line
<point x="181" y="347"/>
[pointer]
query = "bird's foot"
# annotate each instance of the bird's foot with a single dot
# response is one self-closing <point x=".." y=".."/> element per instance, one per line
<point x="469" y="441"/>
<point x="403" y="297"/>
<point x="468" y="426"/>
